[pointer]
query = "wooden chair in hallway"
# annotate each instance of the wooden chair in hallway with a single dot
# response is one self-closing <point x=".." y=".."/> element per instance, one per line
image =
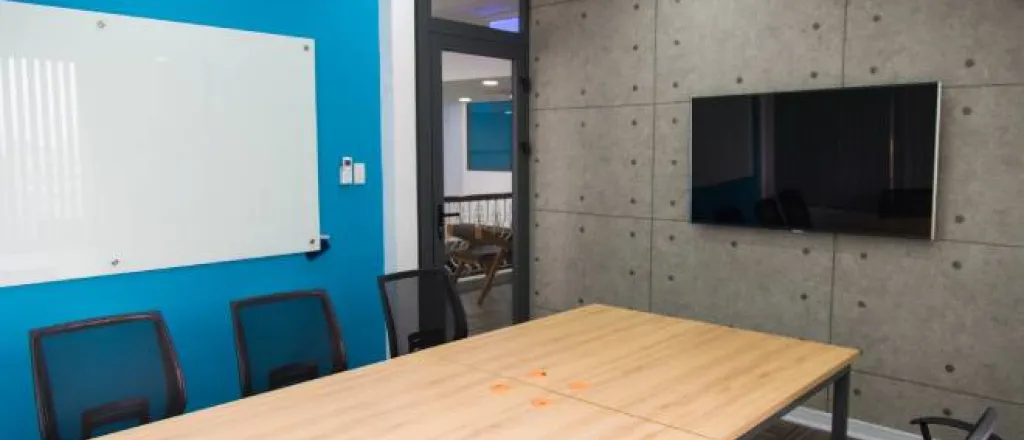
<point x="486" y="247"/>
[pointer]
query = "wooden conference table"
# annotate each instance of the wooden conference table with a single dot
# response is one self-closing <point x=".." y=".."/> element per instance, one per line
<point x="596" y="372"/>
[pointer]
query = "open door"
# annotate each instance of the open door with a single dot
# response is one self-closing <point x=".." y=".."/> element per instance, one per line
<point x="474" y="158"/>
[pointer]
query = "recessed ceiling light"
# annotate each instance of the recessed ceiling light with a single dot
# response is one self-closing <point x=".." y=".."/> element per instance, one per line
<point x="490" y="83"/>
<point x="465" y="99"/>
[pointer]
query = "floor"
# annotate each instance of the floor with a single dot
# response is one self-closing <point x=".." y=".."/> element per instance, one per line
<point x="788" y="431"/>
<point x="496" y="313"/>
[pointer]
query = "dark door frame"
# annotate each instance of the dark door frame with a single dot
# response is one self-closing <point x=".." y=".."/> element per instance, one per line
<point x="434" y="36"/>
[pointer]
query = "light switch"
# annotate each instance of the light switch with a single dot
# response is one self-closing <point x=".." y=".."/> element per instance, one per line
<point x="360" y="174"/>
<point x="346" y="171"/>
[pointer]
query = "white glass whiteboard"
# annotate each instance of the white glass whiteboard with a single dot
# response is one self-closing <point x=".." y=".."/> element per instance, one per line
<point x="129" y="144"/>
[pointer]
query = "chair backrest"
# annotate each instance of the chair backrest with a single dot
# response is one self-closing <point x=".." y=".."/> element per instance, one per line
<point x="983" y="430"/>
<point x="421" y="310"/>
<point x="286" y="338"/>
<point x="104" y="375"/>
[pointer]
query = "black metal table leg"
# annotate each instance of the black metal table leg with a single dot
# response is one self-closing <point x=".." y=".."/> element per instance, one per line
<point x="841" y="405"/>
<point x="840" y="381"/>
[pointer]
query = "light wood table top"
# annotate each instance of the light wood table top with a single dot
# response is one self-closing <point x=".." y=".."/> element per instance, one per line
<point x="711" y="380"/>
<point x="413" y="397"/>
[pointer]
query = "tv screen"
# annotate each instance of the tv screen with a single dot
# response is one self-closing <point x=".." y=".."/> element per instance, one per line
<point x="854" y="160"/>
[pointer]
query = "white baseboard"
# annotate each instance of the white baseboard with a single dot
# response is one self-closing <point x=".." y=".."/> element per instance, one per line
<point x="859" y="430"/>
<point x="476" y="282"/>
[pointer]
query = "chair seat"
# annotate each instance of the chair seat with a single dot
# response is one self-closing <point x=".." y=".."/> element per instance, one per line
<point x="478" y="252"/>
<point x="471" y="247"/>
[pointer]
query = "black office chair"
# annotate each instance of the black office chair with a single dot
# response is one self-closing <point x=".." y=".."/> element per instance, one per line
<point x="286" y="338"/>
<point x="104" y="375"/>
<point x="421" y="310"/>
<point x="982" y="430"/>
<point x="768" y="214"/>
<point x="795" y="210"/>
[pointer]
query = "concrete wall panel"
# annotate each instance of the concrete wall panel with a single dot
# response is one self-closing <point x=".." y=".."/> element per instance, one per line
<point x="737" y="46"/>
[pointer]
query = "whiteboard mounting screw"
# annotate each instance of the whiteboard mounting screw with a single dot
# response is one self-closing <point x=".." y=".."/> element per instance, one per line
<point x="101" y="24"/>
<point x="115" y="262"/>
<point x="312" y="241"/>
<point x="305" y="48"/>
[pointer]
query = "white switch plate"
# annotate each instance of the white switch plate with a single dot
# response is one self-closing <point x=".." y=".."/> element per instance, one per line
<point x="360" y="173"/>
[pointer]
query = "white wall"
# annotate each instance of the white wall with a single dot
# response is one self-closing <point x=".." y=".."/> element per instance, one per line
<point x="458" y="66"/>
<point x="458" y="180"/>
<point x="486" y="182"/>
<point x="398" y="133"/>
<point x="454" y="147"/>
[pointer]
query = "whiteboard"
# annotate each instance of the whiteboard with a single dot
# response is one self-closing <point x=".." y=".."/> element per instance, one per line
<point x="129" y="144"/>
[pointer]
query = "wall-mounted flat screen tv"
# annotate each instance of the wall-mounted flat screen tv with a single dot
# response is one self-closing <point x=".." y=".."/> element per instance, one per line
<point x="860" y="160"/>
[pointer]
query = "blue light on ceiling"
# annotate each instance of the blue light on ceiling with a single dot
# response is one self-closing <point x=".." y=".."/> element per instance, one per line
<point x="507" y="25"/>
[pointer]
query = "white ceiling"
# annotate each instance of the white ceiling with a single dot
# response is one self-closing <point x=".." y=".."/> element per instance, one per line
<point x="480" y="12"/>
<point x="459" y="66"/>
<point x="475" y="90"/>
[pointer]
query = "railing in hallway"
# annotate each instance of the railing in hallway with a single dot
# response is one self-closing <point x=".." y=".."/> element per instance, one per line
<point x="479" y="209"/>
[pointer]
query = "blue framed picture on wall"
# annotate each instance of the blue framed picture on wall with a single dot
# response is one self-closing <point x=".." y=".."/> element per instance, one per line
<point x="489" y="136"/>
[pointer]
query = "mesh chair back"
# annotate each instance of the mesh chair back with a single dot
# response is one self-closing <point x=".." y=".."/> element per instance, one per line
<point x="421" y="310"/>
<point x="286" y="338"/>
<point x="104" y="375"/>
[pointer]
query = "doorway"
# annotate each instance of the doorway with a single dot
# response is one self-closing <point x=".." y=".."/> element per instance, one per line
<point x="472" y="155"/>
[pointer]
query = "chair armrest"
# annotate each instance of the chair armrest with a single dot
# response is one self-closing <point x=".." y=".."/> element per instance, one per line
<point x="924" y="422"/>
<point x="943" y="421"/>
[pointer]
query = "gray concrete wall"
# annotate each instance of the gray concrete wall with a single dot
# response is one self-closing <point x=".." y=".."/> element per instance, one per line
<point x="941" y="324"/>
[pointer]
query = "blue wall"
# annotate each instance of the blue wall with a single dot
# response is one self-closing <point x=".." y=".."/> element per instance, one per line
<point x="195" y="300"/>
